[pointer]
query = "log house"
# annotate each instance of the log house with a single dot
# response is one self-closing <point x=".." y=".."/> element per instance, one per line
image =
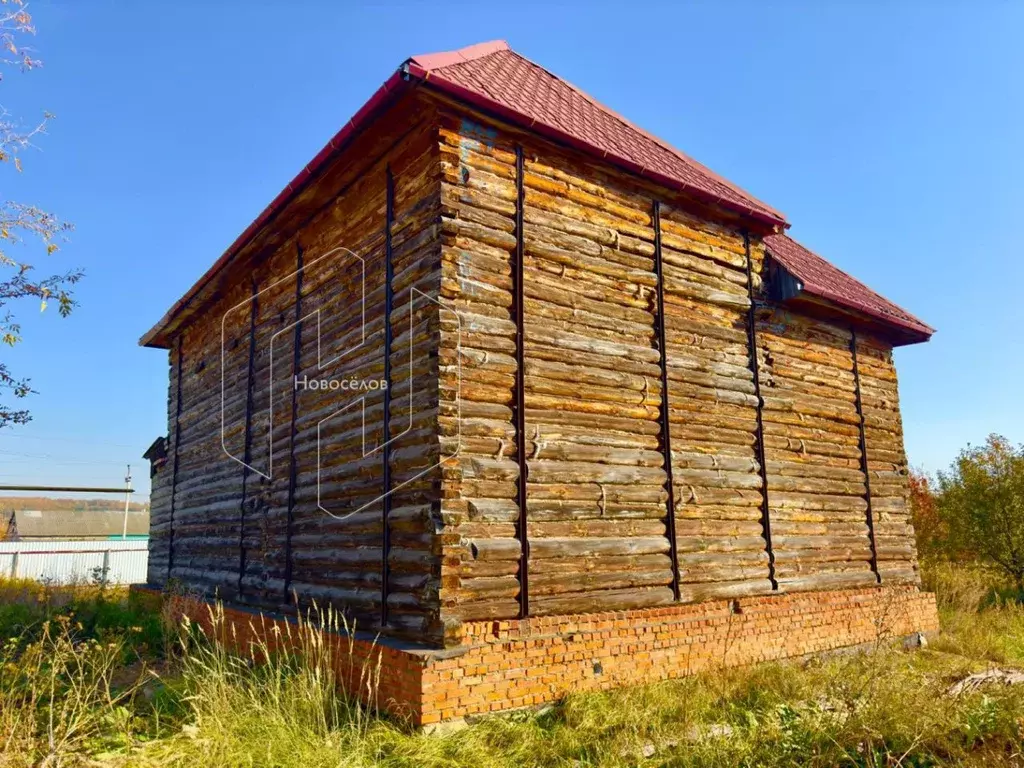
<point x="586" y="375"/>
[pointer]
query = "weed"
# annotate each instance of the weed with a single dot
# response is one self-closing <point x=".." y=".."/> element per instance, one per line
<point x="98" y="676"/>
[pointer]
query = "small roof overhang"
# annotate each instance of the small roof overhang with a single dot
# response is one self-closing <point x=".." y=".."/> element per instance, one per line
<point x="797" y="275"/>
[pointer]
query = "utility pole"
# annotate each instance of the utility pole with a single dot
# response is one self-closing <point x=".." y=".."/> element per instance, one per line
<point x="127" y="501"/>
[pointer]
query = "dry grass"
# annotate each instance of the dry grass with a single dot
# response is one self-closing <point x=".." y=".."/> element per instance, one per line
<point x="74" y="692"/>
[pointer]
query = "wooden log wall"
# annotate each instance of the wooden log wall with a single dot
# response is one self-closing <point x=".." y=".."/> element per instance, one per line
<point x="208" y="491"/>
<point x="336" y="546"/>
<point x="816" y="489"/>
<point x="716" y="463"/>
<point x="266" y="541"/>
<point x="596" y="490"/>
<point x="335" y="539"/>
<point x="479" y="543"/>
<point x="414" y="567"/>
<point x="886" y="462"/>
<point x="162" y="485"/>
<point x="639" y="329"/>
<point x="768" y="488"/>
<point x="263" y="513"/>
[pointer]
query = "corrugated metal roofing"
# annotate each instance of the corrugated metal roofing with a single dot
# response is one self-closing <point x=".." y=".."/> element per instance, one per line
<point x="494" y="77"/>
<point x="495" y="74"/>
<point x="824" y="280"/>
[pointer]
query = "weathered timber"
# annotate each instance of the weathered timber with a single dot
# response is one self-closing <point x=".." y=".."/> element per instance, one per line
<point x="292" y="466"/>
<point x="386" y="415"/>
<point x="592" y="402"/>
<point x="864" y="455"/>
<point x="519" y="388"/>
<point x="666" y="435"/>
<point x="766" y="523"/>
<point x="246" y="468"/>
<point x="812" y="434"/>
<point x="176" y="433"/>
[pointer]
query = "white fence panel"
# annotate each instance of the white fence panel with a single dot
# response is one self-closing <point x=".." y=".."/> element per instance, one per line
<point x="67" y="561"/>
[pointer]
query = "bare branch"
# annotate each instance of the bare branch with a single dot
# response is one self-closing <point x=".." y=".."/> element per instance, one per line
<point x="15" y="22"/>
<point x="22" y="224"/>
<point x="13" y="139"/>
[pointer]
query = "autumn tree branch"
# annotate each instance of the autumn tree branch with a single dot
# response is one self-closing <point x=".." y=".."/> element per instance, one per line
<point x="22" y="224"/>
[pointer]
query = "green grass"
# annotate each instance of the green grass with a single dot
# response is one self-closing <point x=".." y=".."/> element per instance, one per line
<point x="94" y="678"/>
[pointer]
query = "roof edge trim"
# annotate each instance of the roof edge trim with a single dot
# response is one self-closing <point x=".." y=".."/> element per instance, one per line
<point x="916" y="334"/>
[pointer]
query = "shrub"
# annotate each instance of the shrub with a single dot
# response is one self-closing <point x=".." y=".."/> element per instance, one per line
<point x="57" y="695"/>
<point x="981" y="500"/>
<point x="963" y="586"/>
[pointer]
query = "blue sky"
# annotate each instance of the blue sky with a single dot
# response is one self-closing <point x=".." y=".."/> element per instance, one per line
<point x="891" y="138"/>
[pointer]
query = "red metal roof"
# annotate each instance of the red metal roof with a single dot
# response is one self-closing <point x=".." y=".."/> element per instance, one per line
<point x="494" y="76"/>
<point x="822" y="279"/>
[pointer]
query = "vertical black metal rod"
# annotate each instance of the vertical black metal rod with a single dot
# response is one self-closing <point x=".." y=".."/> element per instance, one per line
<point x="519" y="404"/>
<point x="293" y="461"/>
<point x="864" y="456"/>
<point x="666" y="428"/>
<point x="174" y="470"/>
<point x="250" y="382"/>
<point x="755" y="368"/>
<point x="389" y="276"/>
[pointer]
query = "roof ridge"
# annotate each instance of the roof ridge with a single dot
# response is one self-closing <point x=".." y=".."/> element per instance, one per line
<point x="442" y="59"/>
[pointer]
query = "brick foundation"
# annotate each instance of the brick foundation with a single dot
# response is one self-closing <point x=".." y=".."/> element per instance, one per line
<point x="506" y="664"/>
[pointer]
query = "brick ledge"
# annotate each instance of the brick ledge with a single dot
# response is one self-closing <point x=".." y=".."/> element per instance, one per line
<point x="503" y="667"/>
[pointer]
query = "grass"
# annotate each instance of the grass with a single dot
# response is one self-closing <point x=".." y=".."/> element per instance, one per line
<point x="89" y="677"/>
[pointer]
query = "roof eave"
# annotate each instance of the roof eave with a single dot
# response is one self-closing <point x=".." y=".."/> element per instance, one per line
<point x="902" y="332"/>
<point x="913" y="333"/>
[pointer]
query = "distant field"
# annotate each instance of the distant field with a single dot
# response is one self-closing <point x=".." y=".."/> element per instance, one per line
<point x="91" y="676"/>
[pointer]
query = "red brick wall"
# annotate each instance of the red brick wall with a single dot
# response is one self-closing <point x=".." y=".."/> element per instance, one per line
<point x="513" y="664"/>
<point x="507" y="664"/>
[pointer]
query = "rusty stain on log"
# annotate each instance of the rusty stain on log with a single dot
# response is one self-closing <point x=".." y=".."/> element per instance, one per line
<point x="250" y="386"/>
<point x="519" y="404"/>
<point x="766" y="522"/>
<point x="864" y="455"/>
<point x="292" y="461"/>
<point x="666" y="435"/>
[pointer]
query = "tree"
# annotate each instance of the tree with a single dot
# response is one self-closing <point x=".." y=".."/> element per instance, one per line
<point x="929" y="526"/>
<point x="981" y="500"/>
<point x="23" y="224"/>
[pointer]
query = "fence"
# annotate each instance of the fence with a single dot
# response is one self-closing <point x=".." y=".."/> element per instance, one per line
<point x="66" y="561"/>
